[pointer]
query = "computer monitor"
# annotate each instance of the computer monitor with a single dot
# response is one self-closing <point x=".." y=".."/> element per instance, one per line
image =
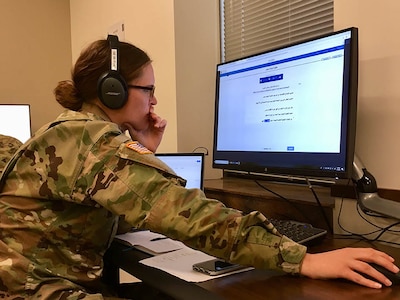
<point x="15" y="121"/>
<point x="189" y="166"/>
<point x="291" y="110"/>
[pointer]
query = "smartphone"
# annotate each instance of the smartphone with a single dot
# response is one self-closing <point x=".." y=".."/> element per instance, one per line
<point x="216" y="267"/>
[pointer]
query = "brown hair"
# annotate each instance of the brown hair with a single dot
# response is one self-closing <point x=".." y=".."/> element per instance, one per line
<point x="94" y="61"/>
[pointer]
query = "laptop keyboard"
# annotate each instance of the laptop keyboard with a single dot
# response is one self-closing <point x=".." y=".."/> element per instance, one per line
<point x="298" y="231"/>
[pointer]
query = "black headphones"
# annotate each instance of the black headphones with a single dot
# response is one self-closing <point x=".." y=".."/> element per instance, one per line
<point x="111" y="86"/>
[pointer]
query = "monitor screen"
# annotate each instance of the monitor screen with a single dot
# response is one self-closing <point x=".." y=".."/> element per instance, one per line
<point x="189" y="166"/>
<point x="290" y="110"/>
<point x="15" y="121"/>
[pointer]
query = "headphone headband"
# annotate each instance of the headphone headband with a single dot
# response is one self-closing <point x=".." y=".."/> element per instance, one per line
<point x="114" y="46"/>
<point x="111" y="86"/>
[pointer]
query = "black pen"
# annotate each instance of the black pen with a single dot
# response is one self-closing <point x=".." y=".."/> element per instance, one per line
<point x="158" y="239"/>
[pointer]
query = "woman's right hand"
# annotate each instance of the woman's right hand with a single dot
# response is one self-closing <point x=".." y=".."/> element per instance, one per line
<point x="351" y="264"/>
<point x="151" y="136"/>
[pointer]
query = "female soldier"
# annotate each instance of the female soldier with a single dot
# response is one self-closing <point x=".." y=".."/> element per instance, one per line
<point x="66" y="188"/>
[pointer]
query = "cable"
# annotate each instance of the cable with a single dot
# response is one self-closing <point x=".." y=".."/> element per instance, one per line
<point x="204" y="148"/>
<point x="320" y="206"/>
<point x="368" y="213"/>
<point x="360" y="213"/>
<point x="360" y="235"/>
<point x="386" y="229"/>
<point x="282" y="197"/>
<point x="350" y="232"/>
<point x="363" y="236"/>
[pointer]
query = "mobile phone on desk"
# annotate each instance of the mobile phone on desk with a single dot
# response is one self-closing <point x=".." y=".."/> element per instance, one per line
<point x="216" y="267"/>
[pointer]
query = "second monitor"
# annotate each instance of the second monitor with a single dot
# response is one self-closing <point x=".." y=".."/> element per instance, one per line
<point x="189" y="166"/>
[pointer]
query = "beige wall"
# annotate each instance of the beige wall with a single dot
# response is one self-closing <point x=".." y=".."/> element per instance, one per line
<point x="197" y="53"/>
<point x="35" y="54"/>
<point x="378" y="121"/>
<point x="149" y="25"/>
<point x="181" y="36"/>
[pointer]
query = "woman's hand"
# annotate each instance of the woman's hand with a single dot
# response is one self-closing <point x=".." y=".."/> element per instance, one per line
<point x="350" y="264"/>
<point x="151" y="136"/>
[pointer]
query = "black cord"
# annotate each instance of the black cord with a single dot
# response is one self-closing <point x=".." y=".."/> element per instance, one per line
<point x="282" y="197"/>
<point x="204" y="148"/>
<point x="361" y="212"/>
<point x="379" y="229"/>
<point x="320" y="206"/>
<point x="366" y="212"/>
<point x="386" y="229"/>
<point x="362" y="236"/>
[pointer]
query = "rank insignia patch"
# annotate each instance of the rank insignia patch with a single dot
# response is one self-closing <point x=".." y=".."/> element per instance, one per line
<point x="136" y="146"/>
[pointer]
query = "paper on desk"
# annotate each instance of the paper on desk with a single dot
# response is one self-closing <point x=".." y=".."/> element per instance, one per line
<point x="179" y="263"/>
<point x="150" y="242"/>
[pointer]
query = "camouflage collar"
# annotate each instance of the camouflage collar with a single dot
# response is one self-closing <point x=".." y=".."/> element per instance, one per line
<point x="96" y="110"/>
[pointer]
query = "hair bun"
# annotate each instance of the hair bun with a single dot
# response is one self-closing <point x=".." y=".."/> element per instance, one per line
<point x="67" y="95"/>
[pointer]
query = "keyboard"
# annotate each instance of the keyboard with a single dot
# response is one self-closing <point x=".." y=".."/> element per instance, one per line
<point x="298" y="231"/>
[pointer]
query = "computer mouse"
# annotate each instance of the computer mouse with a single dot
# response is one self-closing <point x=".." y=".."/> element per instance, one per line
<point x="393" y="277"/>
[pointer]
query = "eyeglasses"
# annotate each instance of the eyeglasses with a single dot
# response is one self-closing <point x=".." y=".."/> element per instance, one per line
<point x="150" y="89"/>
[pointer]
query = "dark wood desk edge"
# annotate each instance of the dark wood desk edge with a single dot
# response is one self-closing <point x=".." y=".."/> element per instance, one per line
<point x="275" y="200"/>
<point x="180" y="289"/>
<point x="342" y="188"/>
<point x="127" y="258"/>
<point x="248" y="188"/>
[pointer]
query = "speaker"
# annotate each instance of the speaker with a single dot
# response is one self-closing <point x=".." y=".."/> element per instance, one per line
<point x="111" y="86"/>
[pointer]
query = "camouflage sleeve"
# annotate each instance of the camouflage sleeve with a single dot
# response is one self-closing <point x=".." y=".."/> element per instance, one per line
<point x="8" y="146"/>
<point x="130" y="185"/>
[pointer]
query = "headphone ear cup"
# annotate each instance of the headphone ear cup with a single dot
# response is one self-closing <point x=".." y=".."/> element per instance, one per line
<point x="112" y="90"/>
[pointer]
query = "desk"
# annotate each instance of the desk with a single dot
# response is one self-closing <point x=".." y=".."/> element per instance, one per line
<point x="256" y="284"/>
<point x="299" y="203"/>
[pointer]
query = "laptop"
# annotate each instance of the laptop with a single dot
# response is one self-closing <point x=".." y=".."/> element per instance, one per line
<point x="15" y="121"/>
<point x="189" y="166"/>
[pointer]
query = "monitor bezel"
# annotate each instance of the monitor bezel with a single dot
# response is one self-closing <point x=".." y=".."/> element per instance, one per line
<point x="349" y="114"/>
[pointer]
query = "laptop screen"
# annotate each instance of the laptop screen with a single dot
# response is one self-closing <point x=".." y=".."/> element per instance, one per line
<point x="189" y="166"/>
<point x="15" y="121"/>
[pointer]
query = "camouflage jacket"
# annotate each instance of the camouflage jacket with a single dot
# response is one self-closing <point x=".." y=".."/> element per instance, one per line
<point x="61" y="201"/>
<point x="8" y="146"/>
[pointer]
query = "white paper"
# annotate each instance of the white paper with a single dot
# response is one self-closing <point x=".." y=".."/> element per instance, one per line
<point x="138" y="237"/>
<point x="179" y="263"/>
<point x="150" y="242"/>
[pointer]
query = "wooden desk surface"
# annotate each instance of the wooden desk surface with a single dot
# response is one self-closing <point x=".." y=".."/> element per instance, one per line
<point x="259" y="284"/>
<point x="262" y="284"/>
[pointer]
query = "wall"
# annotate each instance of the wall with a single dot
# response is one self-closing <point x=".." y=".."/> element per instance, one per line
<point x="197" y="53"/>
<point x="35" y="54"/>
<point x="150" y="26"/>
<point x="181" y="36"/>
<point x="378" y="120"/>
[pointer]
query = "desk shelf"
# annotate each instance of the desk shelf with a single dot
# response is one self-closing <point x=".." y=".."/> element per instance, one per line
<point x="246" y="195"/>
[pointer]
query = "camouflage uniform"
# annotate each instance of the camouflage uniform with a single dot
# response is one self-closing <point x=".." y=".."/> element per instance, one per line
<point x="8" y="146"/>
<point x="61" y="201"/>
